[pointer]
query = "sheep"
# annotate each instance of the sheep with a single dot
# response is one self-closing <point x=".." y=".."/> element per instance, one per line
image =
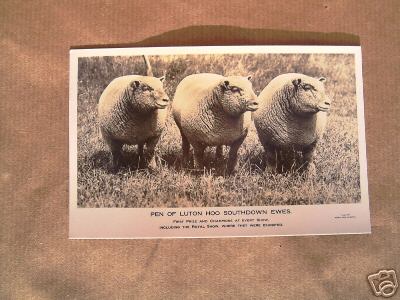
<point x="291" y="118"/>
<point x="213" y="110"/>
<point x="131" y="111"/>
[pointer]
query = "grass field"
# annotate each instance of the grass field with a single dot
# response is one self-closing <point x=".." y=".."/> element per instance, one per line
<point x="337" y="166"/>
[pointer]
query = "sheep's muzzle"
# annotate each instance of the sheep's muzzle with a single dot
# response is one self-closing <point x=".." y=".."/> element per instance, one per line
<point x="252" y="105"/>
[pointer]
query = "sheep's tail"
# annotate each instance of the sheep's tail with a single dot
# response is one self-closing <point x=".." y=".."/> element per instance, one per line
<point x="149" y="71"/>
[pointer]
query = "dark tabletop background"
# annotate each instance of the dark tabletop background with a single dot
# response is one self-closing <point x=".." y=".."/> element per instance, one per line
<point x="36" y="258"/>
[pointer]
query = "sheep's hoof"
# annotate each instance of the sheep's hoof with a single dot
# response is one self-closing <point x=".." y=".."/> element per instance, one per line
<point x="141" y="163"/>
<point x="185" y="164"/>
<point x="311" y="171"/>
<point x="197" y="171"/>
<point x="153" y="169"/>
<point x="231" y="171"/>
<point x="114" y="169"/>
<point x="270" y="169"/>
<point x="115" y="165"/>
<point x="152" y="166"/>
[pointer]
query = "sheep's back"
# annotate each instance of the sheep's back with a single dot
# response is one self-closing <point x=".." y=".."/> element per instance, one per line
<point x="194" y="89"/>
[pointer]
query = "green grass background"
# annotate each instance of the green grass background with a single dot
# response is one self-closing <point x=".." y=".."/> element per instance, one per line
<point x="337" y="179"/>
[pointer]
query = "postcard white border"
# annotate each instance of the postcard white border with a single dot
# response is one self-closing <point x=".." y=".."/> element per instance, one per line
<point x="136" y="223"/>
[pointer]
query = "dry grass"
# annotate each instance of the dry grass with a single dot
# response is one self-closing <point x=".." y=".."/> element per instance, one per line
<point x="337" y="179"/>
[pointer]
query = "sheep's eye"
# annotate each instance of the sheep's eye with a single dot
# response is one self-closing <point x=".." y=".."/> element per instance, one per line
<point x="146" y="88"/>
<point x="308" y="87"/>
<point x="235" y="89"/>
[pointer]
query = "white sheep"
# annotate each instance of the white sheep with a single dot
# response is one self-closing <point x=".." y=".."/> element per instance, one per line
<point x="290" y="120"/>
<point x="213" y="110"/>
<point x="131" y="111"/>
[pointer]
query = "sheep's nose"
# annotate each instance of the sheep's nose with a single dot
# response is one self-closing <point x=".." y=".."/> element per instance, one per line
<point x="325" y="105"/>
<point x="252" y="105"/>
<point x="165" y="99"/>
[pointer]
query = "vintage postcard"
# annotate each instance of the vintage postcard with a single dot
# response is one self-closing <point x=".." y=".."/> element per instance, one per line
<point x="171" y="142"/>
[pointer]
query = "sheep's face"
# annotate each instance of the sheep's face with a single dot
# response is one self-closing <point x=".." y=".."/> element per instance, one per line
<point x="148" y="95"/>
<point x="238" y="95"/>
<point x="309" y="95"/>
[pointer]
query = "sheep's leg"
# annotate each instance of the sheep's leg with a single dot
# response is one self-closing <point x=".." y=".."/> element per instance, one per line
<point x="219" y="153"/>
<point x="140" y="154"/>
<point x="140" y="150"/>
<point x="150" y="148"/>
<point x="287" y="160"/>
<point x="271" y="158"/>
<point x="232" y="159"/>
<point x="185" y="149"/>
<point x="283" y="160"/>
<point x="308" y="164"/>
<point x="219" y="156"/>
<point x="198" y="150"/>
<point x="115" y="147"/>
<point x="185" y="146"/>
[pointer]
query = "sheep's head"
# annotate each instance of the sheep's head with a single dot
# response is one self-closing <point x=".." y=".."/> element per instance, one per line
<point x="237" y="95"/>
<point x="309" y="95"/>
<point x="147" y="94"/>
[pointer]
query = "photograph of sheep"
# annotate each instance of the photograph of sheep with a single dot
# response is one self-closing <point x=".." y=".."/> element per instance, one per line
<point x="217" y="130"/>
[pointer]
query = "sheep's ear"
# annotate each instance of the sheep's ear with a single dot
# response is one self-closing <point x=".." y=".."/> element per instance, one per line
<point x="226" y="84"/>
<point x="296" y="82"/>
<point x="322" y="79"/>
<point x="249" y="77"/>
<point x="161" y="78"/>
<point x="135" y="84"/>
